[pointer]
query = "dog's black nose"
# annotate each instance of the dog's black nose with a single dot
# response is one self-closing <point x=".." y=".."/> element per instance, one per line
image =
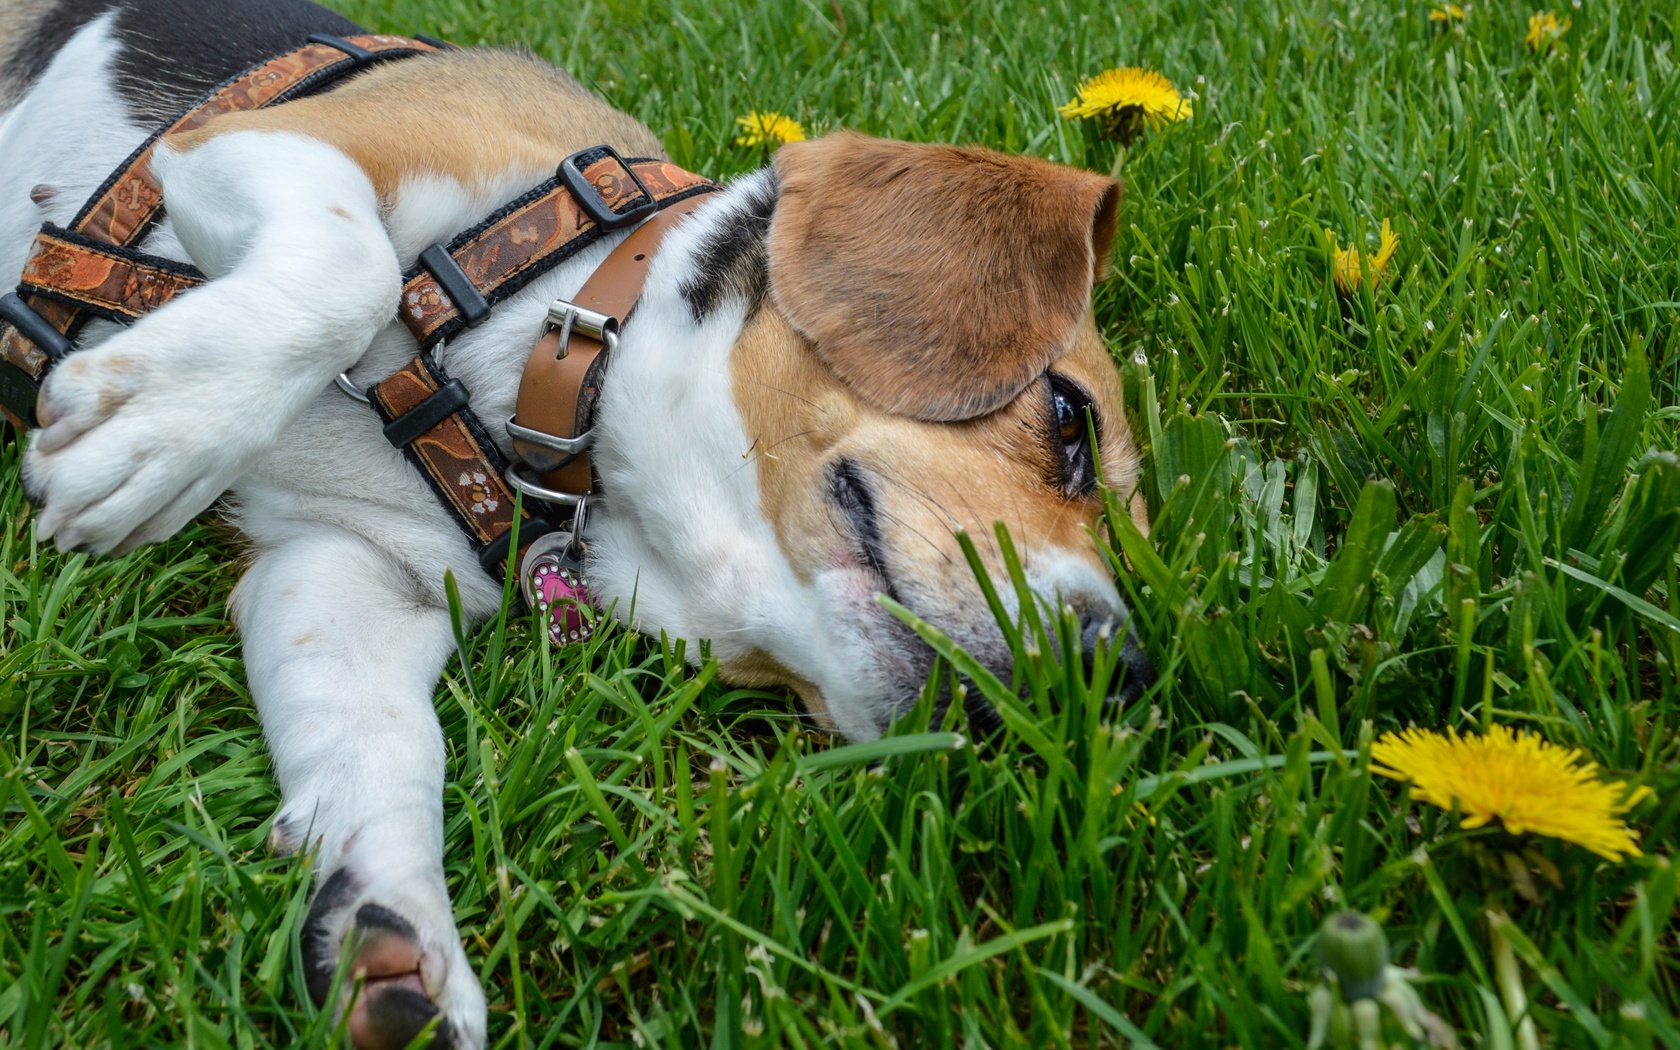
<point x="1135" y="672"/>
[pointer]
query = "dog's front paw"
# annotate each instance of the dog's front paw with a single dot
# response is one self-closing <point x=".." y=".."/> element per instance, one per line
<point x="136" y="440"/>
<point x="394" y="944"/>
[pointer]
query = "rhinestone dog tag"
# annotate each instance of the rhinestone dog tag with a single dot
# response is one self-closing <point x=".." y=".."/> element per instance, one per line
<point x="554" y="584"/>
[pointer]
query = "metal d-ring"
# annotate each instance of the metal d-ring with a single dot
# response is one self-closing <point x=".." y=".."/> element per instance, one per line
<point x="537" y="491"/>
<point x="351" y="390"/>
<point x="356" y="393"/>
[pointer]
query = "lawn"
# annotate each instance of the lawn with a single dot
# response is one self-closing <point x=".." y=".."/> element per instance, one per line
<point x="1451" y="499"/>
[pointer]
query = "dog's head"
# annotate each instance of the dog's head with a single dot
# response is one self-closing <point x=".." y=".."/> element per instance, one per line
<point x="910" y="352"/>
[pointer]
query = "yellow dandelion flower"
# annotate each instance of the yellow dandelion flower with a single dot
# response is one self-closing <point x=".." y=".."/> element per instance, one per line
<point x="1517" y="778"/>
<point x="1447" y="14"/>
<point x="1544" y="31"/>
<point x="769" y="127"/>
<point x="1124" y="100"/>
<point x="1349" y="267"/>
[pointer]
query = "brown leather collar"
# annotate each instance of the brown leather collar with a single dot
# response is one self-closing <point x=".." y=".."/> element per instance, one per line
<point x="550" y="427"/>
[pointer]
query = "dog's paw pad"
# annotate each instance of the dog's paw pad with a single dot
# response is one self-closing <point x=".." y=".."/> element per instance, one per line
<point x="398" y="983"/>
<point x="393" y="1013"/>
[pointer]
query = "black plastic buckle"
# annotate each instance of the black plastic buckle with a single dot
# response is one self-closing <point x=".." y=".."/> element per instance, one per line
<point x="18" y="389"/>
<point x="468" y="300"/>
<point x="361" y="56"/>
<point x="33" y="327"/>
<point x="442" y="403"/>
<point x="590" y="199"/>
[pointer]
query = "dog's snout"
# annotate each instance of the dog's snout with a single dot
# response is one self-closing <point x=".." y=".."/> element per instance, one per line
<point x="1134" y="673"/>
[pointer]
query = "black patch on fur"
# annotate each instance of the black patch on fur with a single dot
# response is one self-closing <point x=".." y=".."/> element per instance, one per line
<point x="52" y="30"/>
<point x="734" y="260"/>
<point x="379" y="917"/>
<point x="396" y="1015"/>
<point x="174" y="51"/>
<point x="320" y="955"/>
<point x="984" y="723"/>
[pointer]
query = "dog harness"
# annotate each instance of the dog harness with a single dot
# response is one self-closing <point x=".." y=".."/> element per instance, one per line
<point x="531" y="512"/>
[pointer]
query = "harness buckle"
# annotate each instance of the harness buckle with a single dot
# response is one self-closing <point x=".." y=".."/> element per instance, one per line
<point x="33" y="327"/>
<point x="19" y="390"/>
<point x="569" y="318"/>
<point x="590" y="198"/>
<point x="360" y="55"/>
<point x="468" y="300"/>
<point x="568" y="447"/>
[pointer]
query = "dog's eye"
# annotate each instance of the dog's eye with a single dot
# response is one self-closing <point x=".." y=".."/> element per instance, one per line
<point x="1071" y="421"/>
<point x="1069" y="427"/>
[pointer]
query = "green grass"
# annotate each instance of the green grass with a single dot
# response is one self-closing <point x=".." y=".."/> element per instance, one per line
<point x="1452" y="502"/>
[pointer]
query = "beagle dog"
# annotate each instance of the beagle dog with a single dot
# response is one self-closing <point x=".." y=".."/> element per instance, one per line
<point x="837" y="365"/>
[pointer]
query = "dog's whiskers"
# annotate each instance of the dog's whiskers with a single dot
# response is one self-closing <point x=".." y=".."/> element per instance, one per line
<point x="757" y="450"/>
<point x="895" y="519"/>
<point x="780" y="390"/>
<point x="923" y="496"/>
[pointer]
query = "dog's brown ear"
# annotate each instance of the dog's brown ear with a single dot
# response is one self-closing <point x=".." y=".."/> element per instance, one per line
<point x="936" y="281"/>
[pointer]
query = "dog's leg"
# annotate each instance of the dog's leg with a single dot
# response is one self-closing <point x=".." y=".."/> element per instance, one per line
<point x="145" y="430"/>
<point x="343" y="656"/>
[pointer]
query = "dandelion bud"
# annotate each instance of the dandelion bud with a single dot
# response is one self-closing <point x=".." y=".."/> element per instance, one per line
<point x="1353" y="948"/>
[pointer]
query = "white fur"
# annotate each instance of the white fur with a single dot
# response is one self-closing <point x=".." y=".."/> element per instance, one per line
<point x="144" y="431"/>
<point x="343" y="678"/>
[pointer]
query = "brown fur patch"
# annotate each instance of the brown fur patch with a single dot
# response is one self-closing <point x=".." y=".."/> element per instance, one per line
<point x="470" y="116"/>
<point x="931" y="479"/>
<point x="758" y="671"/>
<point x="801" y="417"/>
<point x="937" y="281"/>
<point x="111" y="397"/>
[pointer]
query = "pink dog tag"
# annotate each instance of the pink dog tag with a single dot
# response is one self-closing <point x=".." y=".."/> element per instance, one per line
<point x="554" y="584"/>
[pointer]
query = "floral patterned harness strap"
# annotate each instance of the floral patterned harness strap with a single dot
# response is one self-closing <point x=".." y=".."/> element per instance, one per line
<point x="94" y="269"/>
